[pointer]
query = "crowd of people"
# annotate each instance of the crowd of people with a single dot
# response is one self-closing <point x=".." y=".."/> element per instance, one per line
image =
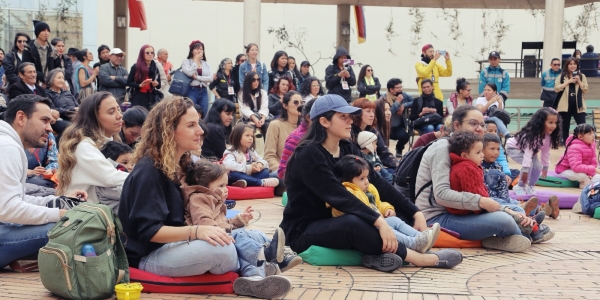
<point x="164" y="164"/>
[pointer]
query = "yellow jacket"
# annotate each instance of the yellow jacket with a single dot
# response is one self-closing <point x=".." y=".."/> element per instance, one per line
<point x="435" y="69"/>
<point x="356" y="191"/>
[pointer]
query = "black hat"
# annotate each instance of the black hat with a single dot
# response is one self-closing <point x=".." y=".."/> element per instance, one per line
<point x="39" y="26"/>
<point x="72" y="51"/>
<point x="305" y="63"/>
<point x="494" y="54"/>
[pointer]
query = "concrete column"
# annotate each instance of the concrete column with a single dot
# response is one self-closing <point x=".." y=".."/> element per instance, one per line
<point x="343" y="16"/>
<point x="252" y="22"/>
<point x="120" y="37"/>
<point x="553" y="31"/>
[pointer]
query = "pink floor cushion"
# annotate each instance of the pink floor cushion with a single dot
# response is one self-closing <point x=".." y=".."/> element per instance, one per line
<point x="251" y="192"/>
<point x="199" y="284"/>
<point x="566" y="200"/>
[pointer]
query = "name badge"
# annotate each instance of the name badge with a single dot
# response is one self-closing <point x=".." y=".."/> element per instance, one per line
<point x="499" y="79"/>
<point x="230" y="90"/>
<point x="345" y="85"/>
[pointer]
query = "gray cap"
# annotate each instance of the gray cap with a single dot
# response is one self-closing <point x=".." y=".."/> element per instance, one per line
<point x="332" y="102"/>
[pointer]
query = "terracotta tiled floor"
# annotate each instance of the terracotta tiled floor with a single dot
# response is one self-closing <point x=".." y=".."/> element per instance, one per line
<point x="567" y="267"/>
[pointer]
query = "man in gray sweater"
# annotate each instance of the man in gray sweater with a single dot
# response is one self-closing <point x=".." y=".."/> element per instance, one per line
<point x="496" y="229"/>
<point x="24" y="220"/>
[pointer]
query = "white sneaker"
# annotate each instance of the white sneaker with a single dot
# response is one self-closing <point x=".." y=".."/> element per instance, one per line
<point x="530" y="191"/>
<point x="577" y="208"/>
<point x="519" y="190"/>
<point x="270" y="182"/>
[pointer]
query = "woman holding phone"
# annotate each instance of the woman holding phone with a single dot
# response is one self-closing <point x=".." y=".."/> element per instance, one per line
<point x="570" y="86"/>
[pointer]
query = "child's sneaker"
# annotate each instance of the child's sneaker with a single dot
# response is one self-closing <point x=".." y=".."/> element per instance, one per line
<point x="427" y="238"/>
<point x="539" y="217"/>
<point x="271" y="269"/>
<point x="240" y="183"/>
<point x="519" y="190"/>
<point x="290" y="260"/>
<point x="543" y="234"/>
<point x="230" y="204"/>
<point x="529" y="190"/>
<point x="577" y="208"/>
<point x="275" y="249"/>
<point x="270" y="182"/>
<point x="526" y="230"/>
<point x="552" y="208"/>
<point x="529" y="205"/>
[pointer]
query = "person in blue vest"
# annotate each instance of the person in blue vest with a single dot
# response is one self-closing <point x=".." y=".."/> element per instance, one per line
<point x="589" y="62"/>
<point x="494" y="73"/>
<point x="548" y="78"/>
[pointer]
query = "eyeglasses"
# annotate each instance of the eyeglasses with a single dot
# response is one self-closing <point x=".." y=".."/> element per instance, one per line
<point x="149" y="53"/>
<point x="369" y="70"/>
<point x="474" y="123"/>
<point x="556" y="65"/>
<point x="242" y="61"/>
<point x="21" y="41"/>
<point x="256" y="80"/>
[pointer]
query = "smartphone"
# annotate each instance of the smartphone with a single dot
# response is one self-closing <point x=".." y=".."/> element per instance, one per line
<point x="442" y="52"/>
<point x="575" y="73"/>
<point x="349" y="62"/>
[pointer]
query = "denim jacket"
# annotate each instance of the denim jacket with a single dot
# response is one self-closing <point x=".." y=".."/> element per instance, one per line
<point x="261" y="70"/>
<point x="495" y="180"/>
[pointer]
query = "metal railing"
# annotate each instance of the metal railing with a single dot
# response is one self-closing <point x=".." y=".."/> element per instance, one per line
<point x="520" y="69"/>
<point x="520" y="115"/>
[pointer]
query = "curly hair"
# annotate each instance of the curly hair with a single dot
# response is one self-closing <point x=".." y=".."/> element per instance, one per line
<point x="532" y="135"/>
<point x="305" y="86"/>
<point x="85" y="124"/>
<point x="463" y="141"/>
<point x="204" y="172"/>
<point x="291" y="86"/>
<point x="158" y="137"/>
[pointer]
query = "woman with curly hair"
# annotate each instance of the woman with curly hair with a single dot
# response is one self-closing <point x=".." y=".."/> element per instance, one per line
<point x="82" y="165"/>
<point x="284" y="85"/>
<point x="311" y="88"/>
<point x="152" y="209"/>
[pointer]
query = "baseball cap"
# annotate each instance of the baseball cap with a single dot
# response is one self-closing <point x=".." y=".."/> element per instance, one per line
<point x="116" y="51"/>
<point x="332" y="102"/>
<point x="494" y="54"/>
<point x="305" y="63"/>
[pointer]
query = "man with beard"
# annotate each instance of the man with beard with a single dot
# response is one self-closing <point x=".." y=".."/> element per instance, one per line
<point x="429" y="68"/>
<point x="24" y="220"/>
<point x="398" y="101"/>
<point x="41" y="53"/>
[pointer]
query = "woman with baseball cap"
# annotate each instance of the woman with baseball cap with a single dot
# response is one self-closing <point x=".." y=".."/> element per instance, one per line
<point x="311" y="184"/>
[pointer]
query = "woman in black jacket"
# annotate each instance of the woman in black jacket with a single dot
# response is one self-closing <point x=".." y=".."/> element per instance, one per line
<point x="427" y="104"/>
<point x="311" y="184"/>
<point x="368" y="84"/>
<point x="14" y="58"/>
<point x="143" y="79"/>
<point x="279" y="68"/>
<point x="219" y="121"/>
<point x="284" y="85"/>
<point x="224" y="84"/>
<point x="63" y="100"/>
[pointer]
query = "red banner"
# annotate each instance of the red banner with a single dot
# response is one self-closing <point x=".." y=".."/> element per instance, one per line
<point x="137" y="15"/>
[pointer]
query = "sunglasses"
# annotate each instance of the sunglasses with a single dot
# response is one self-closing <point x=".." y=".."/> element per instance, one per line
<point x="149" y="53"/>
<point x="242" y="61"/>
<point x="474" y="123"/>
<point x="256" y="80"/>
<point x="557" y="65"/>
<point x="369" y="70"/>
<point x="296" y="102"/>
<point x="21" y="41"/>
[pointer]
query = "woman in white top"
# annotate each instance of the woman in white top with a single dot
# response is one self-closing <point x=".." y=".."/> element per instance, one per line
<point x="83" y="166"/>
<point x="491" y="99"/>
<point x="311" y="88"/>
<point x="196" y="67"/>
<point x="254" y="103"/>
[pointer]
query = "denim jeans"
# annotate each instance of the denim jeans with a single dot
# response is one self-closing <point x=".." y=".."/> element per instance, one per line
<point x="385" y="173"/>
<point x="429" y="128"/>
<point x="199" y="96"/>
<point x="477" y="227"/>
<point x="181" y="259"/>
<point x="255" y="179"/>
<point x="501" y="126"/>
<point x="404" y="233"/>
<point x="511" y="203"/>
<point x="534" y="171"/>
<point x="18" y="240"/>
<point x="248" y="244"/>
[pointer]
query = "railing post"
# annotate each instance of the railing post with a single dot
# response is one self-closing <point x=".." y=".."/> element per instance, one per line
<point x="518" y="118"/>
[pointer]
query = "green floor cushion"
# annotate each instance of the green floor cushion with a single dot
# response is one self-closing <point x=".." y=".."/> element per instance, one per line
<point x="552" y="181"/>
<point x="284" y="199"/>
<point x="320" y="256"/>
<point x="596" y="214"/>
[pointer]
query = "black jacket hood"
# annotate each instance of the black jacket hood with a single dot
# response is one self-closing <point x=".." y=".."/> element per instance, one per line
<point x="340" y="52"/>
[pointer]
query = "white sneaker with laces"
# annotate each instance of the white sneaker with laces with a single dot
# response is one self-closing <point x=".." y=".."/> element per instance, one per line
<point x="529" y="190"/>
<point x="519" y="190"/>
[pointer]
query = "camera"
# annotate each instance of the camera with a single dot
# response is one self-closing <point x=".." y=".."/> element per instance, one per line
<point x="442" y="52"/>
<point x="348" y="62"/>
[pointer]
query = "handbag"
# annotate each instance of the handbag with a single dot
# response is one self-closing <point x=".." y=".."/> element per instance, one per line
<point x="428" y="119"/>
<point x="84" y="93"/>
<point x="180" y="84"/>
<point x="500" y="114"/>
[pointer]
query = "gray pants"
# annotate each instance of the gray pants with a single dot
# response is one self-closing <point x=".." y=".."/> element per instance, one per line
<point x="536" y="166"/>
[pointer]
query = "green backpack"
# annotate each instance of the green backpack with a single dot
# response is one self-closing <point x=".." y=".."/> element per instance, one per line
<point x="66" y="272"/>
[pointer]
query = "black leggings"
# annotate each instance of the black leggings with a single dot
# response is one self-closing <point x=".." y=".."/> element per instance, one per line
<point x="399" y="133"/>
<point x="345" y="232"/>
<point x="566" y="120"/>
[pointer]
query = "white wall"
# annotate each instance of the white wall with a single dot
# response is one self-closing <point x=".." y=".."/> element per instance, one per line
<point x="174" y="24"/>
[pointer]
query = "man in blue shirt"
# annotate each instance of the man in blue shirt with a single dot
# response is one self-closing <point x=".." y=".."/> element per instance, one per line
<point x="494" y="73"/>
<point x="548" y="78"/>
<point x="589" y="62"/>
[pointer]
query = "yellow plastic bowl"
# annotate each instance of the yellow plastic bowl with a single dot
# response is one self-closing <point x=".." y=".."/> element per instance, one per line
<point x="129" y="291"/>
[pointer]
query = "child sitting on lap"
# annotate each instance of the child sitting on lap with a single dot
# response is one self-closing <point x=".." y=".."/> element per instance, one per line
<point x="204" y="193"/>
<point x="246" y="167"/>
<point x="466" y="174"/>
<point x="354" y="173"/>
<point x="367" y="141"/>
<point x="120" y="155"/>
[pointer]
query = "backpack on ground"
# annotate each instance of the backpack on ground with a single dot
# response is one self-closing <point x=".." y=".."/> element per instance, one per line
<point x="405" y="176"/>
<point x="66" y="272"/>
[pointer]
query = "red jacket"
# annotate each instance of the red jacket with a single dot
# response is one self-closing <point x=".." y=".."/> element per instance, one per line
<point x="465" y="176"/>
